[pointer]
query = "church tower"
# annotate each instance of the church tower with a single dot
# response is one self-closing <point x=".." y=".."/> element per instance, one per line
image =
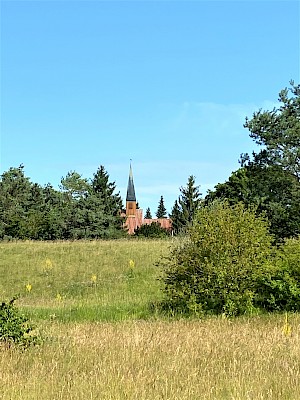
<point x="130" y="197"/>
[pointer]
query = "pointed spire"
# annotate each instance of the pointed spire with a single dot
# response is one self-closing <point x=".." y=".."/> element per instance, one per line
<point x="130" y="188"/>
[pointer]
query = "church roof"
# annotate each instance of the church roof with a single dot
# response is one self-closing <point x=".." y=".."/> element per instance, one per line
<point x="130" y="187"/>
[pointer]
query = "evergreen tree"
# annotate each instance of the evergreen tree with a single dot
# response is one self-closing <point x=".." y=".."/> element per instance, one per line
<point x="177" y="218"/>
<point x="74" y="185"/>
<point x="189" y="200"/>
<point x="15" y="200"/>
<point x="161" y="210"/>
<point x="148" y="214"/>
<point x="29" y="211"/>
<point x="279" y="132"/>
<point x="112" y="202"/>
<point x="185" y="208"/>
<point x="57" y="214"/>
<point x="91" y="221"/>
<point x="104" y="189"/>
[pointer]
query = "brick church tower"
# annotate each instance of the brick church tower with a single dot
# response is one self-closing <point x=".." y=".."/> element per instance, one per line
<point x="134" y="215"/>
<point x="130" y="197"/>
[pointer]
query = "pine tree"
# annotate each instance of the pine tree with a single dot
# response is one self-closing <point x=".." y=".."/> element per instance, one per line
<point x="177" y="218"/>
<point x="148" y="214"/>
<point x="186" y="206"/>
<point x="278" y="131"/>
<point x="74" y="185"/>
<point x="15" y="201"/>
<point x="104" y="189"/>
<point x="189" y="200"/>
<point x="111" y="202"/>
<point x="161" y="210"/>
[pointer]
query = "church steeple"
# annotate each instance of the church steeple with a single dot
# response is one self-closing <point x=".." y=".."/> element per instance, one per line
<point x="130" y="187"/>
<point x="130" y="197"/>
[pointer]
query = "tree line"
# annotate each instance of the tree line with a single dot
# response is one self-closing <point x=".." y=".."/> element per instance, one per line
<point x="80" y="209"/>
<point x="268" y="180"/>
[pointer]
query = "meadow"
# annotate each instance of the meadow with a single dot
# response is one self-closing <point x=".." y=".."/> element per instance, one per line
<point x="90" y="302"/>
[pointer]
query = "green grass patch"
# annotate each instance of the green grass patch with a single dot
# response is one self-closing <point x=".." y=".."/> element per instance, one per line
<point x="83" y="280"/>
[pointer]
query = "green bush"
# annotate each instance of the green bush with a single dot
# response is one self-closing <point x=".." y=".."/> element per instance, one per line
<point x="279" y="287"/>
<point x="218" y="266"/>
<point x="14" y="326"/>
<point x="153" y="230"/>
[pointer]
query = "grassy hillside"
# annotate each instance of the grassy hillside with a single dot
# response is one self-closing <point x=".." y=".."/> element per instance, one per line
<point x="94" y="281"/>
<point x="90" y="302"/>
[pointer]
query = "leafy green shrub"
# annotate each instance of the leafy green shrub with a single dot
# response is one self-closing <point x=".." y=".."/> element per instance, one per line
<point x="279" y="287"/>
<point x="14" y="326"/>
<point x="217" y="267"/>
<point x="153" y="230"/>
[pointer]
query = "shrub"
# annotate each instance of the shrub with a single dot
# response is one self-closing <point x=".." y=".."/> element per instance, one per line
<point x="153" y="230"/>
<point x="14" y="326"/>
<point x="279" y="286"/>
<point x="217" y="267"/>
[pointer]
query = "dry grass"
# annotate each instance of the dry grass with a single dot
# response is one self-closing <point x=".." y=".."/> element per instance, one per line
<point x="211" y="359"/>
<point x="127" y="357"/>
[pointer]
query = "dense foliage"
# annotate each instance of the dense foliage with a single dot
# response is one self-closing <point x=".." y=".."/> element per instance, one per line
<point x="148" y="214"/>
<point x="153" y="230"/>
<point x="279" y="286"/>
<point x="228" y="264"/>
<point x="278" y="131"/>
<point x="269" y="179"/>
<point x="161" y="209"/>
<point x="186" y="206"/>
<point x="81" y="209"/>
<point x="15" y="327"/>
<point x="271" y="189"/>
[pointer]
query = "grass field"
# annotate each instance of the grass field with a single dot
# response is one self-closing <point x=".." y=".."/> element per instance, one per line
<point x="90" y="301"/>
<point x="83" y="281"/>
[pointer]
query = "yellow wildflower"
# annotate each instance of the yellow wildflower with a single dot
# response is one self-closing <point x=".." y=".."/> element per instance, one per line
<point x="94" y="278"/>
<point x="131" y="264"/>
<point x="28" y="287"/>
<point x="48" y="263"/>
<point x="287" y="329"/>
<point x="58" y="297"/>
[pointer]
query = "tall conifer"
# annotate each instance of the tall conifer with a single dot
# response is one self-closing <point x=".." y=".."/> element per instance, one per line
<point x="148" y="214"/>
<point x="161" y="210"/>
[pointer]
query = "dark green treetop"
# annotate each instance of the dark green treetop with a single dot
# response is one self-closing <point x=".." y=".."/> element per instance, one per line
<point x="161" y="210"/>
<point x="271" y="189"/>
<point x="177" y="218"/>
<point x="29" y="211"/>
<point x="186" y="207"/>
<point x="104" y="189"/>
<point x="189" y="200"/>
<point x="278" y="131"/>
<point x="148" y="214"/>
<point x="74" y="185"/>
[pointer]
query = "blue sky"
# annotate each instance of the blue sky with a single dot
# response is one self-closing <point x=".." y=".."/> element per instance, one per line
<point x="167" y="84"/>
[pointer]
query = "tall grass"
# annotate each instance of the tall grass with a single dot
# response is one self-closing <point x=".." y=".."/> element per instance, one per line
<point x="90" y="303"/>
<point x="84" y="280"/>
<point x="211" y="359"/>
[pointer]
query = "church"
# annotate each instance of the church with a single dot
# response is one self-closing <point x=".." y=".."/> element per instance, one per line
<point x="134" y="215"/>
